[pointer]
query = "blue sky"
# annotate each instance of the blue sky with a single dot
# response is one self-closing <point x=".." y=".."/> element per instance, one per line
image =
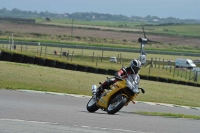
<point x="183" y="9"/>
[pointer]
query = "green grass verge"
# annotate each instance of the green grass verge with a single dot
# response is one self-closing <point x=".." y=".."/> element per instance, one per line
<point x="33" y="77"/>
<point x="168" y="115"/>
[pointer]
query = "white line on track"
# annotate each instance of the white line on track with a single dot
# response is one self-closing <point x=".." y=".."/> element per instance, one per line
<point x="83" y="126"/>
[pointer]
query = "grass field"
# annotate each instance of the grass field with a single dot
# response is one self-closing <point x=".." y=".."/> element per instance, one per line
<point x="189" y="30"/>
<point x="33" y="77"/>
<point x="106" y="38"/>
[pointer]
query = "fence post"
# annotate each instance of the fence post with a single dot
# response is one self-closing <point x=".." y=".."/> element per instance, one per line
<point x="72" y="55"/>
<point x="178" y="73"/>
<point x="174" y="71"/>
<point x="93" y="57"/>
<point x="167" y="66"/>
<point x="155" y="62"/>
<point x="117" y="58"/>
<point x="97" y="60"/>
<point x="196" y="76"/>
<point x="40" y="51"/>
<point x="60" y="52"/>
<point x="82" y="54"/>
<point x="120" y="58"/>
<point x="68" y="55"/>
<point x="186" y="75"/>
<point x="7" y="46"/>
<point x="163" y="64"/>
<point x="170" y="66"/>
<point x="189" y="74"/>
<point x="151" y="62"/>
<point x="102" y="56"/>
<point x="181" y="73"/>
<point x="150" y="67"/>
<point x="45" y="50"/>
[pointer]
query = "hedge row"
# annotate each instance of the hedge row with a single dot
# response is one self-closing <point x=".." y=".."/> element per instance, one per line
<point x="167" y="80"/>
<point x="19" y="58"/>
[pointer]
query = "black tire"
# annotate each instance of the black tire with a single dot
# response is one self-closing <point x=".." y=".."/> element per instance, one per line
<point x="61" y="65"/>
<point x="152" y="78"/>
<point x="91" y="105"/>
<point x="81" y="68"/>
<point x="17" y="58"/>
<point x="71" y="67"/>
<point x="163" y="80"/>
<point x="50" y="63"/>
<point x="6" y="56"/>
<point x="39" y="61"/>
<point x="92" y="70"/>
<point x="102" y="71"/>
<point x="119" y="100"/>
<point x="28" y="59"/>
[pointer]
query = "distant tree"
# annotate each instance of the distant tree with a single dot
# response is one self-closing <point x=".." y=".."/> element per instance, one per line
<point x="16" y="11"/>
<point x="4" y="11"/>
<point x="48" y="19"/>
<point x="91" y="15"/>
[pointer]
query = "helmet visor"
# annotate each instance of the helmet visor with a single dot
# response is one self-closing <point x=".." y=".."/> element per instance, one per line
<point x="135" y="69"/>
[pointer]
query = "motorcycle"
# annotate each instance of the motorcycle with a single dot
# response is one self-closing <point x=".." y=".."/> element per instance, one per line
<point x="117" y="96"/>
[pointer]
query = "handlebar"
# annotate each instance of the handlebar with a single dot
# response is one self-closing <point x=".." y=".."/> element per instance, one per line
<point x="143" y="91"/>
<point x="118" y="77"/>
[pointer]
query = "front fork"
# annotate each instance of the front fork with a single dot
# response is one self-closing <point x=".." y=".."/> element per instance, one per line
<point x="94" y="89"/>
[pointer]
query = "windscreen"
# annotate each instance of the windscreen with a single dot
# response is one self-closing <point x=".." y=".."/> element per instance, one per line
<point x="190" y="62"/>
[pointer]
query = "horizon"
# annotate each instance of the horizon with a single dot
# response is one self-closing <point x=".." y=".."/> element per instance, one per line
<point x="181" y="9"/>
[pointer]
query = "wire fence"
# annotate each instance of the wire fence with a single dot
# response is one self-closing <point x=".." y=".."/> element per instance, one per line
<point x="169" y="66"/>
<point x="98" y="56"/>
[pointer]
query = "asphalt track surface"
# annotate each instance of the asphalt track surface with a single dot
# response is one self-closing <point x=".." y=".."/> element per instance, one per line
<point x="30" y="112"/>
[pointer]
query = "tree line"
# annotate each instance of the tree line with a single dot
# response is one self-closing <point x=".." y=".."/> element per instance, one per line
<point x="89" y="16"/>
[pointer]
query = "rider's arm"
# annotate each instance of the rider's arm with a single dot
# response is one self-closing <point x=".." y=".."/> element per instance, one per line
<point x="119" y="73"/>
<point x="122" y="72"/>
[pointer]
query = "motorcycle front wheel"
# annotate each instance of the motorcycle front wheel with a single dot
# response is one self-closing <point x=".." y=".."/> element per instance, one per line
<point x="91" y="105"/>
<point x="116" y="104"/>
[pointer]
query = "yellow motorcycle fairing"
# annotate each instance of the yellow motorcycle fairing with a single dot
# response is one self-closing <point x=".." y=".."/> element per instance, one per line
<point x="107" y="94"/>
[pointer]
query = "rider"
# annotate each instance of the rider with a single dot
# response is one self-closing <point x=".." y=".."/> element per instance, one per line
<point x="132" y="70"/>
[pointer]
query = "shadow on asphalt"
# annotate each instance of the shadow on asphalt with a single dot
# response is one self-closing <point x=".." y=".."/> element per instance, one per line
<point x="105" y="113"/>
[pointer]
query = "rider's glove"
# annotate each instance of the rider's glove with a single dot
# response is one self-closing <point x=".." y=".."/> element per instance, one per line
<point x="118" y="77"/>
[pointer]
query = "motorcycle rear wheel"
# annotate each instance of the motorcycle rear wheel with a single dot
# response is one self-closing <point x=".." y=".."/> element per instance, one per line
<point x="116" y="104"/>
<point x="91" y="105"/>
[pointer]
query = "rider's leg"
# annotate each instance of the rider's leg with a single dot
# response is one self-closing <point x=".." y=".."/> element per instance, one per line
<point x="105" y="85"/>
<point x="100" y="89"/>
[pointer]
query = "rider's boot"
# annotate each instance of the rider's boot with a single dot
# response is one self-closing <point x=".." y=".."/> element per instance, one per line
<point x="99" y="91"/>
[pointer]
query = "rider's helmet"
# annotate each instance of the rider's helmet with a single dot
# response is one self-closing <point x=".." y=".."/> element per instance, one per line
<point x="135" y="66"/>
